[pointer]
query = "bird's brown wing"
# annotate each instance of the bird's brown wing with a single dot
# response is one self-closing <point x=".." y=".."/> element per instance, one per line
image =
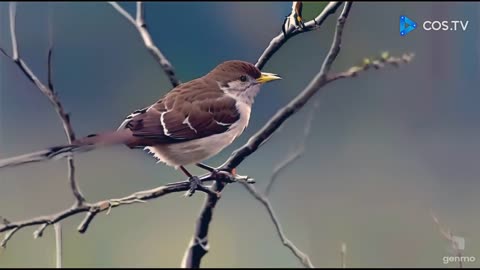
<point x="184" y="114"/>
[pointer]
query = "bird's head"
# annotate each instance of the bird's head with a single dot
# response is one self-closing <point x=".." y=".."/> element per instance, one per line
<point x="240" y="79"/>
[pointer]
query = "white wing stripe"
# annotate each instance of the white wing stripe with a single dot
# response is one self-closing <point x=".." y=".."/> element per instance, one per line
<point x="222" y="124"/>
<point x="187" y="122"/>
<point x="165" y="130"/>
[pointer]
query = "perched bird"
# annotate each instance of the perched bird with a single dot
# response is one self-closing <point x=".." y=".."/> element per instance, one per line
<point x="191" y="123"/>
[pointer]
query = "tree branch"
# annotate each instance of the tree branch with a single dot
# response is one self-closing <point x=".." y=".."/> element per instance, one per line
<point x="275" y="122"/>
<point x="343" y="255"/>
<point x="91" y="209"/>
<point x="199" y="244"/>
<point x="277" y="42"/>
<point x="49" y="92"/>
<point x="304" y="259"/>
<point x="385" y="59"/>
<point x="320" y="80"/>
<point x="141" y="27"/>
<point x="296" y="154"/>
<point x="294" y="105"/>
<point x="448" y="235"/>
<point x="58" y="245"/>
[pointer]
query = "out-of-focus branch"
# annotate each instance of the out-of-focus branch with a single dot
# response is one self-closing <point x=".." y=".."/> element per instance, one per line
<point x="58" y="245"/>
<point x="49" y="92"/>
<point x="141" y="27"/>
<point x="296" y="154"/>
<point x="385" y="60"/>
<point x="343" y="255"/>
<point x="304" y="259"/>
<point x="454" y="240"/>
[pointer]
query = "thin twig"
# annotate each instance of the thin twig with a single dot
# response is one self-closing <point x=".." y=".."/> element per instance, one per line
<point x="50" y="94"/>
<point x="141" y="27"/>
<point x="277" y="42"/>
<point x="57" y="226"/>
<point x="58" y="244"/>
<point x="140" y="19"/>
<point x="7" y="237"/>
<point x="343" y="255"/>
<point x="447" y="234"/>
<point x="375" y="64"/>
<point x="295" y="155"/>
<point x="304" y="259"/>
<point x="13" y="34"/>
<point x="95" y="208"/>
<point x="294" y="105"/>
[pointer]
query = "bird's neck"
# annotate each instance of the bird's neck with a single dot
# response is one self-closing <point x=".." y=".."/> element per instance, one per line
<point x="247" y="96"/>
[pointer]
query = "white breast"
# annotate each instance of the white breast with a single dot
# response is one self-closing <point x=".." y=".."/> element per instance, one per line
<point x="201" y="149"/>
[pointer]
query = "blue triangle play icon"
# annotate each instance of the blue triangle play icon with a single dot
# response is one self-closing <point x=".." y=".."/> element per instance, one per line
<point x="406" y="25"/>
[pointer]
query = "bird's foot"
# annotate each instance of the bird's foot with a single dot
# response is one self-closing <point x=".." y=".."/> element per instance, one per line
<point x="196" y="184"/>
<point x="292" y="19"/>
<point x="226" y="176"/>
<point x="299" y="21"/>
<point x="231" y="177"/>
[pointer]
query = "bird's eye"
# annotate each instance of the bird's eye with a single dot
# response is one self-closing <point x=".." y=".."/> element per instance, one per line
<point x="243" y="78"/>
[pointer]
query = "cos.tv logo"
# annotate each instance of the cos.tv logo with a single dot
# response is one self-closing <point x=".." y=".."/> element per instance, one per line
<point x="406" y="25"/>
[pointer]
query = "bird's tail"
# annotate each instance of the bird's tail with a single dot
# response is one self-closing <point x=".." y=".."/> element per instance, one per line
<point x="81" y="145"/>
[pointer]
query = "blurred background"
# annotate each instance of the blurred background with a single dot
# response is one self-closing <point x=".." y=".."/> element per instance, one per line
<point x="386" y="149"/>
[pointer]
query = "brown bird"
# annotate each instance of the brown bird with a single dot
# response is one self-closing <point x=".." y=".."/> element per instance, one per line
<point x="191" y="123"/>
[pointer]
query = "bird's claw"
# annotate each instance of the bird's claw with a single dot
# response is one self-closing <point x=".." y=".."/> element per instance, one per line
<point x="222" y="176"/>
<point x="196" y="184"/>
<point x="297" y="22"/>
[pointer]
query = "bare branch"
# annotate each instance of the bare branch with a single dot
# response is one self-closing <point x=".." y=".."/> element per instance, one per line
<point x="295" y="155"/>
<point x="123" y="12"/>
<point x="50" y="94"/>
<point x="337" y="40"/>
<point x="376" y="64"/>
<point x="93" y="209"/>
<point x="304" y="259"/>
<point x="319" y="81"/>
<point x="343" y="255"/>
<point x="7" y="237"/>
<point x="140" y="14"/>
<point x="294" y="105"/>
<point x="58" y="245"/>
<point x="12" y="17"/>
<point x="141" y="27"/>
<point x="454" y="240"/>
<point x="198" y="246"/>
<point x="277" y="42"/>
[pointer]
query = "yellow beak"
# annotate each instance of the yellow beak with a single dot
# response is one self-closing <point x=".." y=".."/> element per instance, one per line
<point x="267" y="77"/>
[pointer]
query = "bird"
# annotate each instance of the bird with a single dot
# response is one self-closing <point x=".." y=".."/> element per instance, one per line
<point x="191" y="123"/>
